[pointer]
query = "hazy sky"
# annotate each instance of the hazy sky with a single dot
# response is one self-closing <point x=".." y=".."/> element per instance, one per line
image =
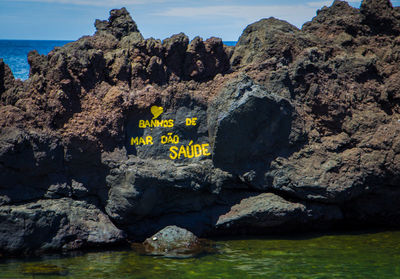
<point x="71" y="19"/>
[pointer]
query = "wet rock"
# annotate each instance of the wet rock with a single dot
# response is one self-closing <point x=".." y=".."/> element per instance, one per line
<point x="173" y="241"/>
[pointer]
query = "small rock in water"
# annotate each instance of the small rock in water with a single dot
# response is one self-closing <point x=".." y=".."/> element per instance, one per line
<point x="173" y="241"/>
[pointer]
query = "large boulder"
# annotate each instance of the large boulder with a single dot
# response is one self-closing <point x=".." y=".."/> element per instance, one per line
<point x="54" y="224"/>
<point x="38" y="155"/>
<point x="270" y="213"/>
<point x="146" y="189"/>
<point x="249" y="128"/>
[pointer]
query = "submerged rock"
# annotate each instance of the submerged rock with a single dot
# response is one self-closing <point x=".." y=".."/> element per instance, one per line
<point x="36" y="269"/>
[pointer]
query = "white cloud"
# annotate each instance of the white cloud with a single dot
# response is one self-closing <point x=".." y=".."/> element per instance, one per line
<point x="319" y="4"/>
<point x="295" y="14"/>
<point x="98" y="3"/>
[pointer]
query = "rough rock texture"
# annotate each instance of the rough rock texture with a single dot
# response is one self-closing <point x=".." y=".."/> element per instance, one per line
<point x="267" y="211"/>
<point x="173" y="241"/>
<point x="53" y="224"/>
<point x="114" y="137"/>
<point x="6" y="77"/>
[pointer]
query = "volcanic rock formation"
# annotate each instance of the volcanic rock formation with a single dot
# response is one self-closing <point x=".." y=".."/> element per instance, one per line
<point x="114" y="137"/>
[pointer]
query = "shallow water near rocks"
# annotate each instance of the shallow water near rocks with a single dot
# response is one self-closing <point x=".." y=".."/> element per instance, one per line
<point x="367" y="255"/>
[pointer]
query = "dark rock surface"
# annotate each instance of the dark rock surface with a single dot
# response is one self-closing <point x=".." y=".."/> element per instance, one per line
<point x="269" y="38"/>
<point x="53" y="224"/>
<point x="6" y="77"/>
<point x="264" y="212"/>
<point x="173" y="241"/>
<point x="115" y="137"/>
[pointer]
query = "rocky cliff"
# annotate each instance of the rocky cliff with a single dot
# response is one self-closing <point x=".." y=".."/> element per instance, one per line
<point x="114" y="136"/>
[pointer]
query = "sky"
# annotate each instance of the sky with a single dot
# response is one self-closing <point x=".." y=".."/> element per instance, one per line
<point x="72" y="19"/>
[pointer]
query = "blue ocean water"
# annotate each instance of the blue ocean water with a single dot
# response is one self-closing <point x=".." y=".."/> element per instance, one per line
<point x="15" y="53"/>
<point x="230" y="43"/>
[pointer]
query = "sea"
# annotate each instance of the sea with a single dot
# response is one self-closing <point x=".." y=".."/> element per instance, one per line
<point x="15" y="53"/>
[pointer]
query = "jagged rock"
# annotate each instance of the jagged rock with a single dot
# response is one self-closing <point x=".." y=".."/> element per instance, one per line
<point x="175" y="52"/>
<point x="119" y="24"/>
<point x="380" y="16"/>
<point x="6" y="77"/>
<point x="339" y="22"/>
<point x="37" y="62"/>
<point x="205" y="59"/>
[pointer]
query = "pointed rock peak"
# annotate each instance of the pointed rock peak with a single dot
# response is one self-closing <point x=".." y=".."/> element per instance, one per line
<point x="119" y="24"/>
<point x="334" y="20"/>
<point x="341" y="5"/>
<point x="6" y="77"/>
<point x="338" y="9"/>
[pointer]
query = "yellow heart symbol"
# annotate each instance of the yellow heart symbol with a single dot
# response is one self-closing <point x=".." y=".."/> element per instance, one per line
<point x="156" y="111"/>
